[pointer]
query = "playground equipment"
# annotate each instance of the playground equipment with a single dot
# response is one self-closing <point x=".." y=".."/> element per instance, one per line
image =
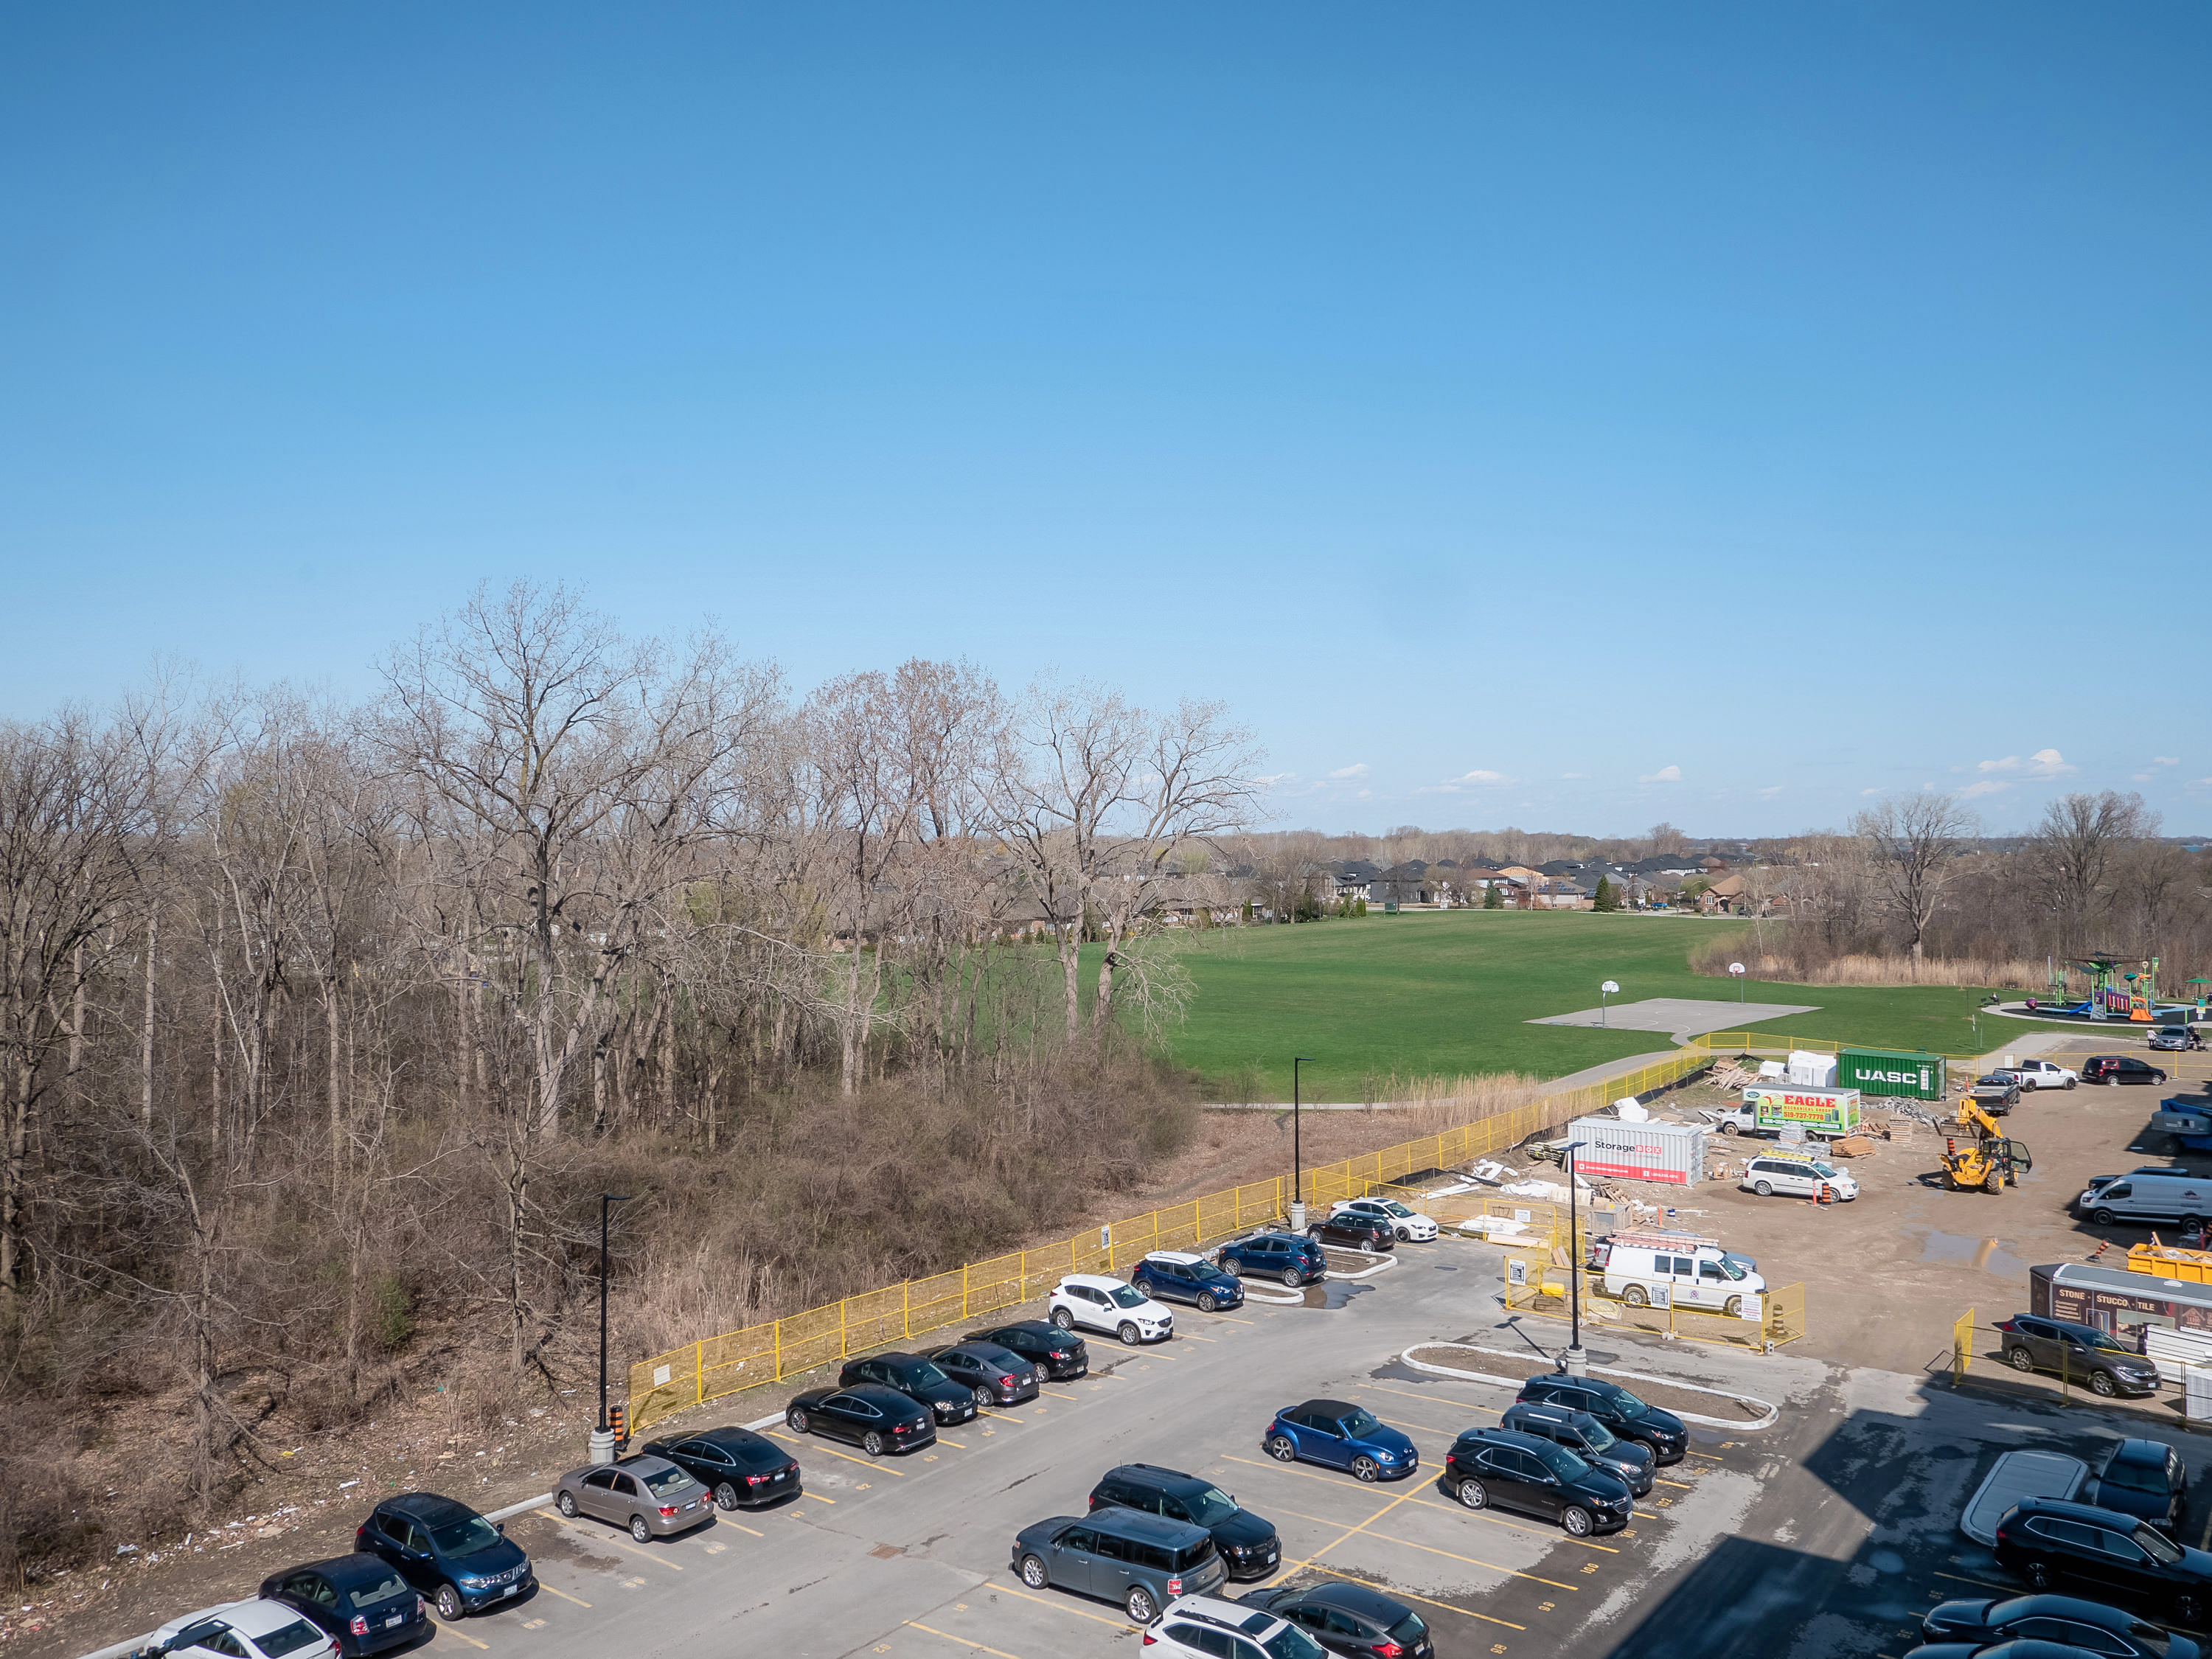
<point x="2115" y="992"/>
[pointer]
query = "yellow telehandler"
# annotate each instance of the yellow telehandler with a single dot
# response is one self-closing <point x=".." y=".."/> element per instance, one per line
<point x="1991" y="1161"/>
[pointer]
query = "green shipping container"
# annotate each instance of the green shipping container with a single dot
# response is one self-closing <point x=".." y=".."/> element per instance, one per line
<point x="1890" y="1072"/>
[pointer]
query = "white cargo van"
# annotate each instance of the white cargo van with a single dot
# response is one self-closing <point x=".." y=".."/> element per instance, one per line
<point x="2156" y="1192"/>
<point x="1675" y="1269"/>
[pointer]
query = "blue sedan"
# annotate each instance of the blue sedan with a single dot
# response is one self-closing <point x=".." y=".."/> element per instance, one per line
<point x="1343" y="1437"/>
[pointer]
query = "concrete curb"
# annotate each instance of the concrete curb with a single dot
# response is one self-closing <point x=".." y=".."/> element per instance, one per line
<point x="1772" y="1411"/>
<point x="1366" y="1272"/>
<point x="1277" y="1296"/>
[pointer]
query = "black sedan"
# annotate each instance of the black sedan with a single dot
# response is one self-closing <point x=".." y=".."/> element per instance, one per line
<point x="360" y="1599"/>
<point x="1350" y="1620"/>
<point x="875" y="1419"/>
<point x="998" y="1377"/>
<point x="2053" y="1618"/>
<point x="919" y="1379"/>
<point x="743" y="1470"/>
<point x="1350" y="1228"/>
<point x="1057" y="1353"/>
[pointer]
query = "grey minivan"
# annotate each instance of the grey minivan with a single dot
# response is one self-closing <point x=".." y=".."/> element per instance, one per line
<point x="1142" y="1561"/>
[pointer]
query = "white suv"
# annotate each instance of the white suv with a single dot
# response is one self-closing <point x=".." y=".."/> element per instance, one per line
<point x="1101" y="1303"/>
<point x="1411" y="1226"/>
<point x="1208" y="1627"/>
<point x="2044" y="1074"/>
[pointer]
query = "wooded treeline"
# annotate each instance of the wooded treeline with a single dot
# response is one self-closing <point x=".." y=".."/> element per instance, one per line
<point x="322" y="1027"/>
<point x="1913" y="884"/>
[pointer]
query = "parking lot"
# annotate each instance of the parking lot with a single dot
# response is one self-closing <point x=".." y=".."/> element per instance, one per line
<point x="1825" y="1533"/>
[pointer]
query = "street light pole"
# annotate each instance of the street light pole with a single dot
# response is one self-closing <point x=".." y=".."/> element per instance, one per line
<point x="603" y="1437"/>
<point x="1575" y="1361"/>
<point x="1298" y="1164"/>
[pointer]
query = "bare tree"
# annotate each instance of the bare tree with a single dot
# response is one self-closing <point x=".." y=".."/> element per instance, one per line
<point x="2074" y="846"/>
<point x="1913" y="843"/>
<point x="582" y="768"/>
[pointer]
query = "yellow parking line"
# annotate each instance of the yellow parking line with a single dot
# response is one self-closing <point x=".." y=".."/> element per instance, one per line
<point x="1681" y="1486"/>
<point x="741" y="1526"/>
<point x="1233" y="1319"/>
<point x="1057" y="1394"/>
<point x="1408" y="1543"/>
<point x="594" y="1533"/>
<point x="1430" y="1398"/>
<point x="1501" y="1520"/>
<point x="1042" y="1602"/>
<point x="483" y="1647"/>
<point x="1984" y="1583"/>
<point x="1394" y="1590"/>
<point x="564" y="1595"/>
<point x="831" y="1502"/>
<point x="1287" y="1568"/>
<point x="1000" y="1652"/>
<point x="957" y="1445"/>
<point x="1188" y="1336"/>
<point x="1508" y="1521"/>
<point x="866" y="1463"/>
<point x="1004" y="1416"/>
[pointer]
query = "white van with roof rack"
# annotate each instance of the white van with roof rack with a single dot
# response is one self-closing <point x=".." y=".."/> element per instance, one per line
<point x="1662" y="1269"/>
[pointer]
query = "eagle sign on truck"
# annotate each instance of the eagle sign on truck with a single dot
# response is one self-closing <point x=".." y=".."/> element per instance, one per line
<point x="1829" y="1114"/>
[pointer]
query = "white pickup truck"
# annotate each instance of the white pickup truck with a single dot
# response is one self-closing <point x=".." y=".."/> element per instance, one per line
<point x="2044" y="1075"/>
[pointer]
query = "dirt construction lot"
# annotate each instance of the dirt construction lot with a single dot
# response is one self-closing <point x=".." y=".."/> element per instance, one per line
<point x="1886" y="1274"/>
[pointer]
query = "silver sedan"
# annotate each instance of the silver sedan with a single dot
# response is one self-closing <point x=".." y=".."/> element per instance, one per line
<point x="648" y="1495"/>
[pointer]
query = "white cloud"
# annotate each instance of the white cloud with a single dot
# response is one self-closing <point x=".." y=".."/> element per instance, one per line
<point x="1477" y="779"/>
<point x="1357" y="771"/>
<point x="2043" y="763"/>
<point x="1870" y="792"/>
<point x="1574" y="776"/>
<point x="1664" y="775"/>
<point x="1273" y="779"/>
<point x="2151" y="770"/>
<point x="1986" y="787"/>
<point x="1770" y="792"/>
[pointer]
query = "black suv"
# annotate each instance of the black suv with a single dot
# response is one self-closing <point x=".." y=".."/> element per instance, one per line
<point x="1177" y="1276"/>
<point x="1360" y="1232"/>
<point x="2053" y="1618"/>
<point x="360" y="1599"/>
<point x="1054" y="1351"/>
<point x="2032" y="1343"/>
<point x="1247" y="1544"/>
<point x="2142" y="1477"/>
<point x="2122" y="1558"/>
<point x="1285" y="1256"/>
<point x="742" y="1469"/>
<point x="1352" y="1620"/>
<point x="1614" y="1407"/>
<point x="446" y="1550"/>
<point x="1527" y="1472"/>
<point x="920" y="1380"/>
<point x="2119" y="1068"/>
<point x="1587" y="1437"/>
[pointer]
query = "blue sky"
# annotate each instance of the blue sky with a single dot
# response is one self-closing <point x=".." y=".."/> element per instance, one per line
<point x="1572" y="418"/>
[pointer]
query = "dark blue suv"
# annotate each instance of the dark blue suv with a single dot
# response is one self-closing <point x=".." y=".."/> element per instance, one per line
<point x="1178" y="1276"/>
<point x="1286" y="1256"/>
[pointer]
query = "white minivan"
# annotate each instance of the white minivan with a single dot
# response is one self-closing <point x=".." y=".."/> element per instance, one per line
<point x="1795" y="1177"/>
<point x="1674" y="1269"/>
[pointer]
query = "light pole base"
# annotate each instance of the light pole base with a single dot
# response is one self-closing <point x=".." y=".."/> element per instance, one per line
<point x="1577" y="1361"/>
<point x="1298" y="1218"/>
<point x="602" y="1447"/>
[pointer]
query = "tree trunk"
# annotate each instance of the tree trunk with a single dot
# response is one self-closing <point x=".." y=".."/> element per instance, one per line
<point x="146" y="1037"/>
<point x="336" y="1084"/>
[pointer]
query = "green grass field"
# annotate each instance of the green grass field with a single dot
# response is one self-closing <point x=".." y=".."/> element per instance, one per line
<point x="1450" y="993"/>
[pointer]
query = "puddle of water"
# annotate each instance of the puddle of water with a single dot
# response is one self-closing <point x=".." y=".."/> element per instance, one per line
<point x="1335" y="1292"/>
<point x="1990" y="1255"/>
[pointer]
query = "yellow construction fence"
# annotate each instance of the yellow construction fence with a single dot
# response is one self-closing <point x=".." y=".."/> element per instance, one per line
<point x="722" y="1364"/>
<point x="1739" y="1042"/>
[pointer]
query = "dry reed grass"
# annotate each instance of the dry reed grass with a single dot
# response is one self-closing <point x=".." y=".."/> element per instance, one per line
<point x="1977" y="971"/>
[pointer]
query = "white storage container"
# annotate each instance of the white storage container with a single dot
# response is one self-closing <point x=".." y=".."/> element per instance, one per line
<point x="1615" y="1150"/>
